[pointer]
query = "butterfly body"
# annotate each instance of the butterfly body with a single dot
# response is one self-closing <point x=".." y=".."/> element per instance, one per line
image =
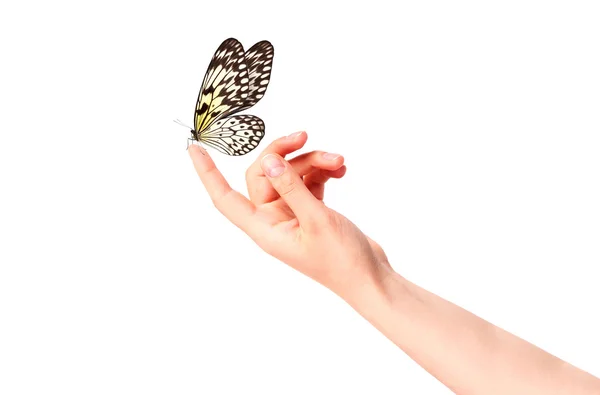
<point x="235" y="81"/>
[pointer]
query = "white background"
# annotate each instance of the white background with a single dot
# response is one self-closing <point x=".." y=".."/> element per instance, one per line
<point x="471" y="136"/>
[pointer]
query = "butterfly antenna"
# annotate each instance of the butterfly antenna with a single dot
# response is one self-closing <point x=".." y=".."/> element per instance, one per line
<point x="178" y="122"/>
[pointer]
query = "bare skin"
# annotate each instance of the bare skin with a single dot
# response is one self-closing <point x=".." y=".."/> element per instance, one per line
<point x="286" y="217"/>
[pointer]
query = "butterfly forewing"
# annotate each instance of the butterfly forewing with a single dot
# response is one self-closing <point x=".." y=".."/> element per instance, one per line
<point x="236" y="135"/>
<point x="259" y="60"/>
<point x="225" y="87"/>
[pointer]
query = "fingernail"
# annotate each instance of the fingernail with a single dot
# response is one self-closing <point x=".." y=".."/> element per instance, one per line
<point x="272" y="165"/>
<point x="294" y="135"/>
<point x="330" y="156"/>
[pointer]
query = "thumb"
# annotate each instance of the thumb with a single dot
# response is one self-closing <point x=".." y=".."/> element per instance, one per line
<point x="290" y="186"/>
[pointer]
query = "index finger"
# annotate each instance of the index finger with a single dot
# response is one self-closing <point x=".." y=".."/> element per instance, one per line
<point x="232" y="204"/>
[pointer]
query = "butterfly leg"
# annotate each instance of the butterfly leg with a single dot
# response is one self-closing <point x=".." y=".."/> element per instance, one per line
<point x="193" y="142"/>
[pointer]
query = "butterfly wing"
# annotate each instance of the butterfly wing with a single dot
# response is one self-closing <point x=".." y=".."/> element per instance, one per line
<point x="259" y="60"/>
<point x="225" y="87"/>
<point x="236" y="135"/>
<point x="235" y="80"/>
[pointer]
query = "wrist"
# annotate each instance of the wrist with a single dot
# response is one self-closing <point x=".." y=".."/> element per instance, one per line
<point x="375" y="291"/>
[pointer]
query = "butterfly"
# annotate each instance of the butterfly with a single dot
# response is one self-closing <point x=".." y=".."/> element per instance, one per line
<point x="235" y="81"/>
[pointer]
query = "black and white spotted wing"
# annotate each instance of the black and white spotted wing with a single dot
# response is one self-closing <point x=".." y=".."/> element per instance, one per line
<point x="236" y="135"/>
<point x="259" y="59"/>
<point x="235" y="81"/>
<point x="225" y="86"/>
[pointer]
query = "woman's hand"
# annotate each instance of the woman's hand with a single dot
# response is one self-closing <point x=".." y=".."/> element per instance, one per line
<point x="285" y="214"/>
<point x="286" y="217"/>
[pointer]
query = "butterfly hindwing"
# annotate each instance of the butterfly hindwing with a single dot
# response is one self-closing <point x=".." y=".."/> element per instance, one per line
<point x="225" y="86"/>
<point x="236" y="135"/>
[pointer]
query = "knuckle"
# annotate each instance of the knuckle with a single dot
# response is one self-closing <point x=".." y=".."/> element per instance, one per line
<point x="331" y="222"/>
<point x="316" y="156"/>
<point x="322" y="222"/>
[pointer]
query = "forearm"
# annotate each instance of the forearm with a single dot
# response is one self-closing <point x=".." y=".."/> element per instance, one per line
<point x="466" y="353"/>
